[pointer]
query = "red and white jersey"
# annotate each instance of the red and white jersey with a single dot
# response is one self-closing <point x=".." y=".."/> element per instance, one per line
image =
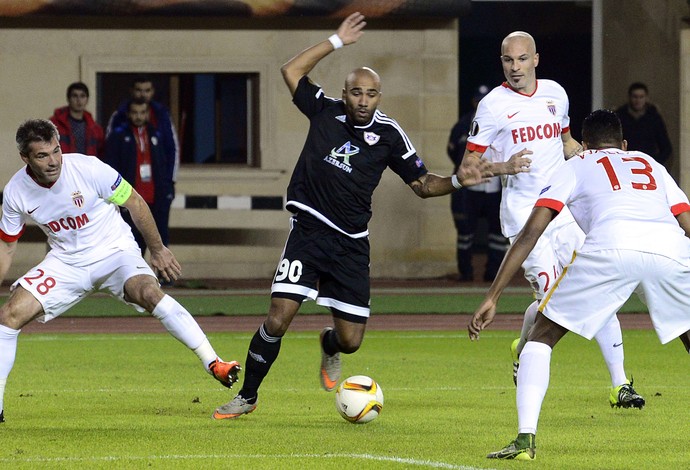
<point x="81" y="224"/>
<point x="508" y="121"/>
<point x="621" y="200"/>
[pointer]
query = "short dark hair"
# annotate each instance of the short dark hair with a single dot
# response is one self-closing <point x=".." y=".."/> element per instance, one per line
<point x="637" y="86"/>
<point x="141" y="78"/>
<point x="137" y="101"/>
<point x="602" y="128"/>
<point x="35" y="130"/>
<point x="77" y="86"/>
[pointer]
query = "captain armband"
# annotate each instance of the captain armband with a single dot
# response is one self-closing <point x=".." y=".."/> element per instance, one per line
<point x="122" y="193"/>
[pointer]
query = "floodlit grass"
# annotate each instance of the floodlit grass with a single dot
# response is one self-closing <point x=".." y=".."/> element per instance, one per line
<point x="143" y="401"/>
<point x="102" y="305"/>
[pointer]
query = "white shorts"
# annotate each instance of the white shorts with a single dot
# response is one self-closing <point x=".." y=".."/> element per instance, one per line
<point x="59" y="286"/>
<point x="595" y="286"/>
<point x="553" y="250"/>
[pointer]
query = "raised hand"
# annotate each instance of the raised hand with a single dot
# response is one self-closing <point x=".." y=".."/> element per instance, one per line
<point x="351" y="29"/>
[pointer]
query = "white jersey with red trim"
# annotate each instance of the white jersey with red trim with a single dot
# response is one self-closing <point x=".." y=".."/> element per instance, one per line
<point x="508" y="121"/>
<point x="622" y="200"/>
<point x="82" y="226"/>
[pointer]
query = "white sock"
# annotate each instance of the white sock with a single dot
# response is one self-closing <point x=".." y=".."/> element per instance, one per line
<point x="527" y="322"/>
<point x="206" y="354"/>
<point x="608" y="337"/>
<point x="8" y="351"/>
<point x="533" y="380"/>
<point x="180" y="323"/>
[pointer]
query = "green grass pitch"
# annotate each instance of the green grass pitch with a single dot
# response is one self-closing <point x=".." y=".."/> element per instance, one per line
<point x="143" y="401"/>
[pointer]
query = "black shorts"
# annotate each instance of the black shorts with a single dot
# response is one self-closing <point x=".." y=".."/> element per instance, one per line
<point x="322" y="264"/>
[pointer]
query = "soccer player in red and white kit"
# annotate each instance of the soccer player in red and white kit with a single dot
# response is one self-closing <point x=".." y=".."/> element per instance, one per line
<point x="637" y="225"/>
<point x="529" y="118"/>
<point x="74" y="199"/>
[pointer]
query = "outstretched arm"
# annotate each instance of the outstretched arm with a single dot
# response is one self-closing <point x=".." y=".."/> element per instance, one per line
<point x="349" y="31"/>
<point x="517" y="163"/>
<point x="518" y="252"/>
<point x="431" y="185"/>
<point x="163" y="261"/>
<point x="6" y="255"/>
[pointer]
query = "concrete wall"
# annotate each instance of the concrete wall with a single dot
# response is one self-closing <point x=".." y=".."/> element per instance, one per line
<point x="410" y="237"/>
<point x="685" y="108"/>
<point x="418" y="65"/>
<point x="641" y="42"/>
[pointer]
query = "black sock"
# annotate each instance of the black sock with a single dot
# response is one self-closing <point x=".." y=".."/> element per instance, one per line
<point x="330" y="343"/>
<point x="262" y="353"/>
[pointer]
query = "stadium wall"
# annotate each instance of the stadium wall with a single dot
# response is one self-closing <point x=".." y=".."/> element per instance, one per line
<point x="419" y="67"/>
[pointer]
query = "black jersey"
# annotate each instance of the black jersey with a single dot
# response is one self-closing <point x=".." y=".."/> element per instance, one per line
<point x="341" y="164"/>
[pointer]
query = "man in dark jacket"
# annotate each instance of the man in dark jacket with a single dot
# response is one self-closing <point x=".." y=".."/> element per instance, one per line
<point x="135" y="150"/>
<point x="79" y="133"/>
<point x="643" y="126"/>
<point x="158" y="116"/>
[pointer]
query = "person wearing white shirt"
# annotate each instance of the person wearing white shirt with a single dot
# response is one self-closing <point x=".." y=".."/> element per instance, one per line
<point x="637" y="225"/>
<point x="75" y="199"/>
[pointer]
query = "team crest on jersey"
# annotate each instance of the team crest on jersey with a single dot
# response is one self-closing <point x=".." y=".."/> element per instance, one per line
<point x="551" y="106"/>
<point x="341" y="157"/>
<point x="77" y="199"/>
<point x="474" y="128"/>
<point x="371" y="138"/>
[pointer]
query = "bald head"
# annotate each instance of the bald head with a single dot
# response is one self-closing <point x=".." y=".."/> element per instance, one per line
<point x="365" y="73"/>
<point x="525" y="38"/>
<point x="361" y="95"/>
<point x="520" y="59"/>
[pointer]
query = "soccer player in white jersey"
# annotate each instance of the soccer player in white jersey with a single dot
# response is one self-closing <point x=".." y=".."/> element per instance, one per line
<point x="528" y="118"/>
<point x="637" y="223"/>
<point x="74" y="199"/>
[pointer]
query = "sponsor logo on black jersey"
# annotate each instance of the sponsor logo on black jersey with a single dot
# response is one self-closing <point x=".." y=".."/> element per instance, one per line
<point x="341" y="157"/>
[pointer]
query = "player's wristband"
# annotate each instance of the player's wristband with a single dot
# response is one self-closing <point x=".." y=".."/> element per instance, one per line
<point x="336" y="41"/>
<point x="454" y="181"/>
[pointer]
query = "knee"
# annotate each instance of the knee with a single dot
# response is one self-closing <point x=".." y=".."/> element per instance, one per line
<point x="276" y="325"/>
<point x="349" y="343"/>
<point x="146" y="295"/>
<point x="280" y="316"/>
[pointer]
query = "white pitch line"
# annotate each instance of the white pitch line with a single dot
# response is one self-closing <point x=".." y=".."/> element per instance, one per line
<point x="378" y="458"/>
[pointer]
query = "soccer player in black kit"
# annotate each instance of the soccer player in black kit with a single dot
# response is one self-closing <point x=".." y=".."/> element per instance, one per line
<point x="326" y="258"/>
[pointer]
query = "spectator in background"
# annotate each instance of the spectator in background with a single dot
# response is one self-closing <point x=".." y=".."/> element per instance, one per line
<point x="158" y="117"/>
<point x="643" y="126"/>
<point x="472" y="203"/>
<point x="79" y="133"/>
<point x="135" y="150"/>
